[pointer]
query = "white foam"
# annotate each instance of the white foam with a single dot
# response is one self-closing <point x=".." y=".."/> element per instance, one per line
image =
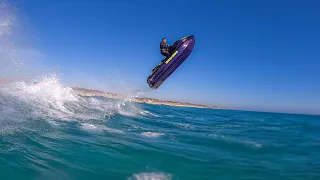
<point x="152" y="134"/>
<point x="49" y="98"/>
<point x="128" y="108"/>
<point x="90" y="127"/>
<point x="237" y="140"/>
<point x="127" y="113"/>
<point x="99" y="128"/>
<point x="147" y="113"/>
<point x="151" y="176"/>
<point x="112" y="130"/>
<point x="136" y="127"/>
<point x="183" y="125"/>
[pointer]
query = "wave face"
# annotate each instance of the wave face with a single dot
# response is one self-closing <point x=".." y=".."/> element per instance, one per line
<point x="47" y="131"/>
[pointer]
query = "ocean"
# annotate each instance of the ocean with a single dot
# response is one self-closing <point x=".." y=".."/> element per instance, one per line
<point x="49" y="132"/>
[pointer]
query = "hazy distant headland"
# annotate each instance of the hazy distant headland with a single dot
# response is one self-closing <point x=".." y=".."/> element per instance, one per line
<point x="90" y="92"/>
<point x="4" y="81"/>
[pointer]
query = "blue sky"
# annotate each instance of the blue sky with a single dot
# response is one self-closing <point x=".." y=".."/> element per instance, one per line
<point x="254" y="55"/>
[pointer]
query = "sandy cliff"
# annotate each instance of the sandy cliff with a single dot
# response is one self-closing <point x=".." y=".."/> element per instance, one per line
<point x="88" y="92"/>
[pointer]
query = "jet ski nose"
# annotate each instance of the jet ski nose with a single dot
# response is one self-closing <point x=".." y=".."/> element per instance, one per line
<point x="191" y="38"/>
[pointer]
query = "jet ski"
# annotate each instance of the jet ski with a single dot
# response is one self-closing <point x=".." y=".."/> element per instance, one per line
<point x="179" y="51"/>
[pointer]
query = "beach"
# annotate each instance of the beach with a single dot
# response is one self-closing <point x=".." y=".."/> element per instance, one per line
<point x="89" y="92"/>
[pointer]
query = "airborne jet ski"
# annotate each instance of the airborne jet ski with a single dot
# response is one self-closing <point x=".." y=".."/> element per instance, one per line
<point x="179" y="51"/>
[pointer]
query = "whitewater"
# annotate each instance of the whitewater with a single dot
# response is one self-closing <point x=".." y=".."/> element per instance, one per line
<point x="48" y="131"/>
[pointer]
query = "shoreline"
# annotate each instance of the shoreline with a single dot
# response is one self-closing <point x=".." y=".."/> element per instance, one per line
<point x="89" y="92"/>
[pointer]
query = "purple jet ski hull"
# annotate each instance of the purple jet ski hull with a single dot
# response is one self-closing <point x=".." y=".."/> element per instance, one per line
<point x="179" y="53"/>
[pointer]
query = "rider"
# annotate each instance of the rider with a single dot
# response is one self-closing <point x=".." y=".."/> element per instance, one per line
<point x="164" y="48"/>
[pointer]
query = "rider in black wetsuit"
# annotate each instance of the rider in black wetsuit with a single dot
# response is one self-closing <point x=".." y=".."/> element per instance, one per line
<point x="164" y="48"/>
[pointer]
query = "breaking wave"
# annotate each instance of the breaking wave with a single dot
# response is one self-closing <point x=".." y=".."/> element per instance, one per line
<point x="48" y="98"/>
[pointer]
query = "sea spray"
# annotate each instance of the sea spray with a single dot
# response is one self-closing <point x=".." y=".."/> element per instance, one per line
<point x="49" y="98"/>
<point x="37" y="91"/>
<point x="19" y="59"/>
<point x="7" y="20"/>
<point x="128" y="101"/>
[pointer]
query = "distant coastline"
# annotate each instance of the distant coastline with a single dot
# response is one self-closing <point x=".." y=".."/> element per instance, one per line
<point x="90" y="92"/>
<point x="4" y="81"/>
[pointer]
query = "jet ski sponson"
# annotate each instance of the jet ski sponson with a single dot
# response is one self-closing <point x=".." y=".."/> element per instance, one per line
<point x="179" y="51"/>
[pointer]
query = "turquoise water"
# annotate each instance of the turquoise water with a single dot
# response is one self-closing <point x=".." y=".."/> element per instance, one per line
<point x="48" y="132"/>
